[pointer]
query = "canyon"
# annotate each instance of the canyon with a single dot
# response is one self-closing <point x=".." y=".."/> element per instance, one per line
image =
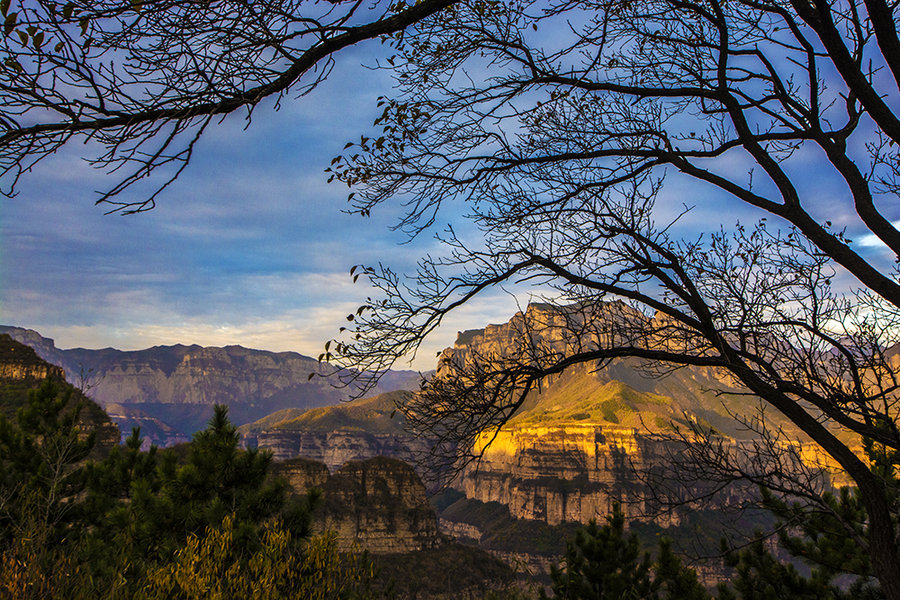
<point x="169" y="391"/>
<point x="377" y="505"/>
<point x="581" y="444"/>
<point x="584" y="442"/>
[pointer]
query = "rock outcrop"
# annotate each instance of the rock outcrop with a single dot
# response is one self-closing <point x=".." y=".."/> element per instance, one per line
<point x="302" y="474"/>
<point x="178" y="385"/>
<point x="377" y="504"/>
<point x="19" y="363"/>
<point x="21" y="370"/>
<point x="566" y="473"/>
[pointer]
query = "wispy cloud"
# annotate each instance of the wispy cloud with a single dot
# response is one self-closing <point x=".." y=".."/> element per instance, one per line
<point x="871" y="240"/>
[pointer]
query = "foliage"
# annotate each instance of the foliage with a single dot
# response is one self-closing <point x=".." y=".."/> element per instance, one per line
<point x="833" y="542"/>
<point x="559" y="127"/>
<point x="215" y="568"/>
<point x="602" y="563"/>
<point x="131" y="523"/>
<point x="451" y="570"/>
<point x="114" y="72"/>
<point x="761" y="576"/>
<point x="40" y="465"/>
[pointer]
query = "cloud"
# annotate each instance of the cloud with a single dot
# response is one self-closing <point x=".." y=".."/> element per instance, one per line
<point x="871" y="240"/>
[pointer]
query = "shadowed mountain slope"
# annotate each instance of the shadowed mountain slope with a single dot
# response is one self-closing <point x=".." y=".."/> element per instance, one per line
<point x="169" y="390"/>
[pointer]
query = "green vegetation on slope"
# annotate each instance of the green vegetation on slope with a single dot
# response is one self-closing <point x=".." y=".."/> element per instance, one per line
<point x="26" y="372"/>
<point x="583" y="398"/>
<point x="620" y="395"/>
<point x="151" y="524"/>
<point x="449" y="571"/>
<point x="377" y="414"/>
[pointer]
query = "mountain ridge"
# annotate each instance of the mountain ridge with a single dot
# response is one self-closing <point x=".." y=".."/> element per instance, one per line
<point x="170" y="390"/>
<point x="23" y="370"/>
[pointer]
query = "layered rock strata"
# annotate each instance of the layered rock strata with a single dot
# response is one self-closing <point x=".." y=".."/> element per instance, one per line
<point x="21" y="370"/>
<point x="335" y="448"/>
<point x="587" y="439"/>
<point x="566" y="473"/>
<point x="377" y="504"/>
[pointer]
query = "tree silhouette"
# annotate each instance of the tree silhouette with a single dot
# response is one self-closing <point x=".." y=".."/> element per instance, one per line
<point x="144" y="80"/>
<point x="558" y="126"/>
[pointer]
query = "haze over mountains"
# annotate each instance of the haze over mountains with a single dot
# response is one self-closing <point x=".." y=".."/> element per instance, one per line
<point x="169" y="390"/>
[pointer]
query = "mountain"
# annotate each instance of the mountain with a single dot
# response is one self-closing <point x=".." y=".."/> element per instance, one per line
<point x="21" y="370"/>
<point x="619" y="396"/>
<point x="585" y="440"/>
<point x="578" y="446"/>
<point x="354" y="430"/>
<point x="170" y="390"/>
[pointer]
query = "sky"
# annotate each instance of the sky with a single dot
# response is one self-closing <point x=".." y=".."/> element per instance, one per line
<point x="250" y="246"/>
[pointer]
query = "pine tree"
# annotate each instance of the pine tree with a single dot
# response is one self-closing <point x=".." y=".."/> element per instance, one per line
<point x="601" y="563"/>
<point x="151" y="501"/>
<point x="42" y="456"/>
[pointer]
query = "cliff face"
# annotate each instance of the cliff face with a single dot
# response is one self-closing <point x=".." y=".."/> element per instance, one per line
<point x="565" y="473"/>
<point x="302" y="474"/>
<point x="21" y="370"/>
<point x="14" y="370"/>
<point x="177" y="385"/>
<point x="187" y="374"/>
<point x="378" y="504"/>
<point x="619" y="392"/>
<point x="335" y="448"/>
<point x="577" y="472"/>
<point x="588" y="437"/>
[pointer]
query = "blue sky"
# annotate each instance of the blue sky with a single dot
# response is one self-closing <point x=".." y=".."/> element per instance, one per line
<point x="251" y="246"/>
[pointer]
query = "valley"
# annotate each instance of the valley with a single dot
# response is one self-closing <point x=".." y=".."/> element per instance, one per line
<point x="169" y="391"/>
<point x="582" y="445"/>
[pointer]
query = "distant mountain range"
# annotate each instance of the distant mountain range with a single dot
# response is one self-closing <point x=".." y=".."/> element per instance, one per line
<point x="169" y="391"/>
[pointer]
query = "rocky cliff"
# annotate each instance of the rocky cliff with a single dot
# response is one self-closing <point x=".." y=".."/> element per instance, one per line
<point x="177" y="385"/>
<point x="378" y="504"/>
<point x="590" y="436"/>
<point x="19" y="363"/>
<point x="581" y="443"/>
<point x="21" y="370"/>
<point x="562" y="473"/>
<point x="334" y="435"/>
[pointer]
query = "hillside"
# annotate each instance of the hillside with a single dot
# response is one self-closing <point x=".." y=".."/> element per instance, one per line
<point x="376" y="414"/>
<point x="21" y="370"/>
<point x="170" y="390"/>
